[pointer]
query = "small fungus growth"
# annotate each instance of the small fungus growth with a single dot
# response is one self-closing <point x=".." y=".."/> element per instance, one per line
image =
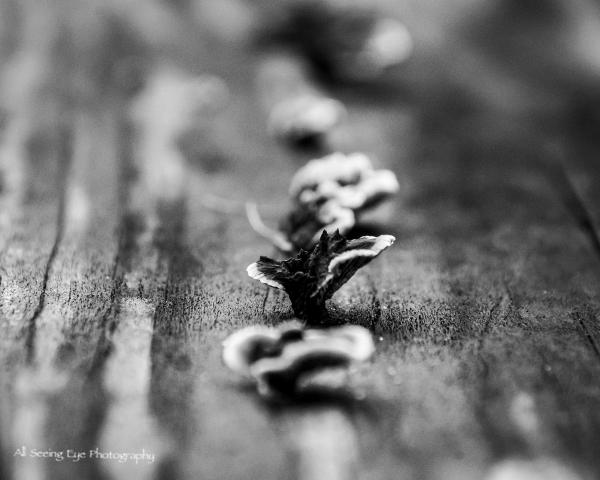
<point x="279" y="359"/>
<point x="304" y="118"/>
<point x="312" y="277"/>
<point x="331" y="193"/>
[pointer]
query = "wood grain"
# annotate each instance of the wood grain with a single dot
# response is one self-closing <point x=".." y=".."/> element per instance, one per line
<point x="123" y="261"/>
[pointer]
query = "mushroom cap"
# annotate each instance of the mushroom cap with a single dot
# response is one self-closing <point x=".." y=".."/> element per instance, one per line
<point x="243" y="347"/>
<point x="331" y="193"/>
<point x="373" y="246"/>
<point x="343" y="169"/>
<point x="334" y="218"/>
<point x="254" y="272"/>
<point x="278" y="358"/>
<point x="371" y="187"/>
<point x="318" y="350"/>
<point x="312" y="277"/>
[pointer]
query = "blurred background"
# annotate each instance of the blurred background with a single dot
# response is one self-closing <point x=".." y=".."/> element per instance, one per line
<point x="505" y="68"/>
<point x="522" y="58"/>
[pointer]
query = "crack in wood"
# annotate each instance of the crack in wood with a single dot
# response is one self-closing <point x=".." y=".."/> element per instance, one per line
<point x="559" y="175"/>
<point x="487" y="325"/>
<point x="64" y="164"/>
<point x="108" y="320"/>
<point x="582" y="215"/>
<point x="587" y="334"/>
<point x="107" y="323"/>
<point x="170" y="390"/>
<point x="505" y="442"/>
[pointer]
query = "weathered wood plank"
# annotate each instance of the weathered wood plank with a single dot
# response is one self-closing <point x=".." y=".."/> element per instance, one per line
<point x="33" y="211"/>
<point x="68" y="336"/>
<point x="506" y="268"/>
<point x="485" y="310"/>
<point x="34" y="151"/>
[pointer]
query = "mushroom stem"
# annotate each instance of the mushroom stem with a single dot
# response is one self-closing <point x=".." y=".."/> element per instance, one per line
<point x="313" y="313"/>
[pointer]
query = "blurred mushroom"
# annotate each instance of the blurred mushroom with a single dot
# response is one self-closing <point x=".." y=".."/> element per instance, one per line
<point x="244" y="347"/>
<point x="330" y="194"/>
<point x="304" y="226"/>
<point x="338" y="167"/>
<point x="312" y="277"/>
<point x="279" y="359"/>
<point x="299" y="112"/>
<point x="350" y="180"/>
<point x="305" y="118"/>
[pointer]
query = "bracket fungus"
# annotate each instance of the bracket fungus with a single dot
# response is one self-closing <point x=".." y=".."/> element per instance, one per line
<point x="305" y="118"/>
<point x="330" y="193"/>
<point x="279" y="359"/>
<point x="312" y="277"/>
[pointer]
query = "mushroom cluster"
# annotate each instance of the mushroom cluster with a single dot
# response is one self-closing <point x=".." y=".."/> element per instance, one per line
<point x="331" y="193"/>
<point x="280" y="359"/>
<point x="328" y="194"/>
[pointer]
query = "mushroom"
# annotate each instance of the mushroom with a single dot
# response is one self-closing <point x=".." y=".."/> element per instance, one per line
<point x="305" y="118"/>
<point x="281" y="358"/>
<point x="336" y="167"/>
<point x="247" y="345"/>
<point x="331" y="192"/>
<point x="312" y="277"/>
<point x="304" y="226"/>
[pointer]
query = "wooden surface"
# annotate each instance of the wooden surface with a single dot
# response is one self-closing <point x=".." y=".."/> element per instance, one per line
<point x="121" y="270"/>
